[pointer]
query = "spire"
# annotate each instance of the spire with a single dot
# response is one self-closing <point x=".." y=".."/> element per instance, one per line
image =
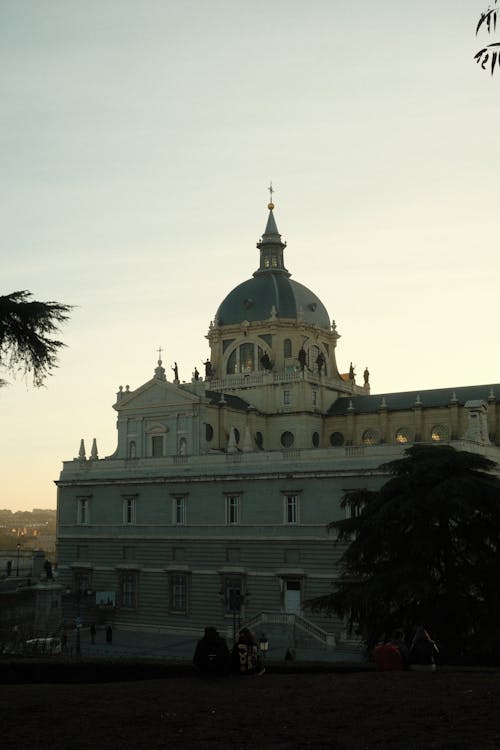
<point x="271" y="246"/>
<point x="81" y="452"/>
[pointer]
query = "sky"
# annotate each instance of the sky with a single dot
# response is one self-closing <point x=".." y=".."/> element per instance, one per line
<point x="137" y="142"/>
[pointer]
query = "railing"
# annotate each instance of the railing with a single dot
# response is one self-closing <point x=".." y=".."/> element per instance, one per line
<point x="261" y="378"/>
<point x="354" y="450"/>
<point x="286" y="453"/>
<point x="295" y="620"/>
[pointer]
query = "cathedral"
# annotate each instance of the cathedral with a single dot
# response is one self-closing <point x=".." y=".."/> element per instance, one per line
<point x="214" y="508"/>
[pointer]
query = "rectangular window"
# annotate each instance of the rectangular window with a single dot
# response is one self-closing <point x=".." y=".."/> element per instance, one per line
<point x="83" y="510"/>
<point x="353" y="509"/>
<point x="315" y="397"/>
<point x="129" y="510"/>
<point x="291" y="509"/>
<point x="286" y="397"/>
<point x="82" y="581"/>
<point x="82" y="552"/>
<point x="128" y="590"/>
<point x="233" y="555"/>
<point x="157" y="446"/>
<point x="178" y="592"/>
<point x="179" y="510"/>
<point x="232" y="509"/>
<point x="233" y="594"/>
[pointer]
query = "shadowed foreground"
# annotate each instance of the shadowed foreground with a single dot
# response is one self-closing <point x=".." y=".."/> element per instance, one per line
<point x="449" y="709"/>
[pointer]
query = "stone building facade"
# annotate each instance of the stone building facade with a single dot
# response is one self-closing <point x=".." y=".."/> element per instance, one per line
<point x="214" y="507"/>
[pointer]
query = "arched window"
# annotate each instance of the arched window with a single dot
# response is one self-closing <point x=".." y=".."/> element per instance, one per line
<point x="131" y="449"/>
<point x="402" y="436"/>
<point x="246" y="358"/>
<point x="439" y="432"/>
<point x="336" y="439"/>
<point x="371" y="437"/>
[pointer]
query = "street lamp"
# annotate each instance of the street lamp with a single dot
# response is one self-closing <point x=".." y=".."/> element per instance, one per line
<point x="78" y="619"/>
<point x="263" y="645"/>
<point x="17" y="567"/>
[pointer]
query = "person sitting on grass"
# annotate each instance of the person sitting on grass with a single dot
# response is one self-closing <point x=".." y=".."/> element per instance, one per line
<point x="246" y="657"/>
<point x="211" y="656"/>
<point x="387" y="655"/>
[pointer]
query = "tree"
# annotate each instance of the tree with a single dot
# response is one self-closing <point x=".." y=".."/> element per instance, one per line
<point x="425" y="549"/>
<point x="26" y="330"/>
<point x="491" y="53"/>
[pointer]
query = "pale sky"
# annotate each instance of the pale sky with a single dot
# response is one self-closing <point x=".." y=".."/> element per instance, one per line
<point x="137" y="143"/>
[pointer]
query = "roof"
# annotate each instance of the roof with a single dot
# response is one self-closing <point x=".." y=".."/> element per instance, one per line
<point x="406" y="400"/>
<point x="234" y="402"/>
<point x="271" y="293"/>
<point x="254" y="300"/>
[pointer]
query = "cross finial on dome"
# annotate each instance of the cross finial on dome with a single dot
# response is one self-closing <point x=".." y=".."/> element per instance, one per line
<point x="160" y="371"/>
<point x="270" y="205"/>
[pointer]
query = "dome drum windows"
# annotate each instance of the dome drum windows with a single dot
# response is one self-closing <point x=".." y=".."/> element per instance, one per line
<point x="246" y="358"/>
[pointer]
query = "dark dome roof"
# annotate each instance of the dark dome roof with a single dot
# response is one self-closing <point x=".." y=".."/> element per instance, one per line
<point x="254" y="299"/>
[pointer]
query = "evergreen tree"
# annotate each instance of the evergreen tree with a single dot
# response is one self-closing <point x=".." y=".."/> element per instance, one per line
<point x="26" y="330"/>
<point x="489" y="56"/>
<point x="425" y="549"/>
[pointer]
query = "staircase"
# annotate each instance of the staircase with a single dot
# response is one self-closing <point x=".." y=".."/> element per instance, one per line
<point x="293" y="632"/>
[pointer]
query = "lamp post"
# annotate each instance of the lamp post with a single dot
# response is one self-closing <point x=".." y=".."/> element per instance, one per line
<point x="78" y="619"/>
<point x="17" y="566"/>
<point x="263" y="645"/>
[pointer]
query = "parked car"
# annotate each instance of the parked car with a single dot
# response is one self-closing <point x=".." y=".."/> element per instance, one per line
<point x="44" y="646"/>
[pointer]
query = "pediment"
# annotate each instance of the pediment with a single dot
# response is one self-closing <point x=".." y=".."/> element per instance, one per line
<point x="155" y="393"/>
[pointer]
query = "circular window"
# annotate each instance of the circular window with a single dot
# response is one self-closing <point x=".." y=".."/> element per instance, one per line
<point x="209" y="432"/>
<point x="336" y="439"/>
<point x="371" y="437"/>
<point x="402" y="435"/>
<point x="439" y="432"/>
<point x="259" y="439"/>
<point x="287" y="440"/>
<point x="315" y="439"/>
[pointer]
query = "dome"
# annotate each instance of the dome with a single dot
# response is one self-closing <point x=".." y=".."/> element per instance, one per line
<point x="271" y="293"/>
<point x="255" y="299"/>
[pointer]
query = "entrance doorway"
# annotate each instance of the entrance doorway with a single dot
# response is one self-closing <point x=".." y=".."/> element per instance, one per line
<point x="292" y="596"/>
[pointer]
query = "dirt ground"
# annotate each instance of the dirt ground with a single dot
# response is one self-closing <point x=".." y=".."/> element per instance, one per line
<point x="451" y="709"/>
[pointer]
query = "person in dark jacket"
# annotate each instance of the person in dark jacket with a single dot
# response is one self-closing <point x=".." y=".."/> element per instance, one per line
<point x="211" y="656"/>
<point x="423" y="651"/>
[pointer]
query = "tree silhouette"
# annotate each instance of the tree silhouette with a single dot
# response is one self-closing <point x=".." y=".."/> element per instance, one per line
<point x="489" y="56"/>
<point x="425" y="549"/>
<point x="26" y="330"/>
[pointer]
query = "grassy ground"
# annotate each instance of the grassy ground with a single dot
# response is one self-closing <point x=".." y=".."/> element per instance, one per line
<point x="451" y="709"/>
